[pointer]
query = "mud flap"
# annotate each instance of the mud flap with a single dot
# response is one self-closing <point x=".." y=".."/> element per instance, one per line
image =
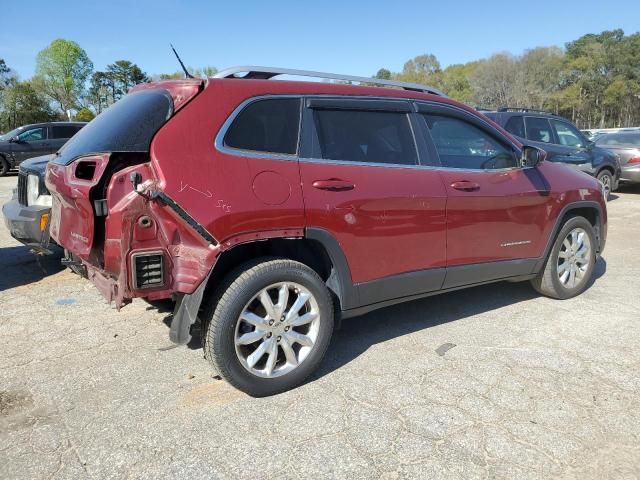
<point x="185" y="314"/>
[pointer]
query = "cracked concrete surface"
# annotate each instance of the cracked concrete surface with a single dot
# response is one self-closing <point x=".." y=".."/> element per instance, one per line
<point x="492" y="382"/>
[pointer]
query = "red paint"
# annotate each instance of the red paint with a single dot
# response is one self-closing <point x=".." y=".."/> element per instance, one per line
<point x="386" y="220"/>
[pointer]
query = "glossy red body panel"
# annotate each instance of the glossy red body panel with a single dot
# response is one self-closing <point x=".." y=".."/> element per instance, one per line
<point x="390" y="210"/>
<point x="393" y="220"/>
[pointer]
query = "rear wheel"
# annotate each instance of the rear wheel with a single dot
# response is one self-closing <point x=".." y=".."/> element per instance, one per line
<point x="606" y="179"/>
<point x="269" y="326"/>
<point x="571" y="261"/>
<point x="4" y="166"/>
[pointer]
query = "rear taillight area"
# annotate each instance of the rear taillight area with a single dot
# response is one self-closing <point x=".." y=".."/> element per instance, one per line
<point x="634" y="161"/>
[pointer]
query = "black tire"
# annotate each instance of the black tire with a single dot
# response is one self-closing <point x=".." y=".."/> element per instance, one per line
<point x="605" y="177"/>
<point x="4" y="166"/>
<point x="548" y="282"/>
<point x="223" y="313"/>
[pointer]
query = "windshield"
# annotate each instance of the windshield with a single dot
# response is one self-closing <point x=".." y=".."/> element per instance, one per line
<point x="127" y="126"/>
<point x="10" y="134"/>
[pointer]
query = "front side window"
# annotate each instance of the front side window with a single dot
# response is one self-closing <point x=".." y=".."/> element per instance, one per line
<point x="364" y="136"/>
<point x="567" y="135"/>
<point x="32" y="134"/>
<point x="515" y="125"/>
<point x="616" y="139"/>
<point x="64" y="131"/>
<point x="539" y="130"/>
<point x="461" y="144"/>
<point x="269" y="125"/>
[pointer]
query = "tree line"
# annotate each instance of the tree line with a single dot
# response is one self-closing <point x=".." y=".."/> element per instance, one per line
<point x="594" y="80"/>
<point x="65" y="83"/>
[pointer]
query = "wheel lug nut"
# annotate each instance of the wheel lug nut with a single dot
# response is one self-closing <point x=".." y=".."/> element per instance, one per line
<point x="279" y="337"/>
<point x="270" y="322"/>
<point x="282" y="318"/>
<point x="286" y="329"/>
<point x="269" y="335"/>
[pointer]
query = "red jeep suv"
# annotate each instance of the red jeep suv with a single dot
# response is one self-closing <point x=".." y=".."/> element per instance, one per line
<point x="271" y="209"/>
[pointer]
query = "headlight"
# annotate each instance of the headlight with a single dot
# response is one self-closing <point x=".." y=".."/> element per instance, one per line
<point x="33" y="193"/>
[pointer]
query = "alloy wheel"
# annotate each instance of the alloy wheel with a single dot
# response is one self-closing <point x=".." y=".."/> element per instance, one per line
<point x="574" y="258"/>
<point x="277" y="329"/>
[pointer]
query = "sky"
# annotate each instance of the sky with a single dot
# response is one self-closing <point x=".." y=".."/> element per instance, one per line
<point x="349" y="37"/>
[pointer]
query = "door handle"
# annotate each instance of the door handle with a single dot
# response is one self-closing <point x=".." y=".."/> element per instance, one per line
<point x="465" y="186"/>
<point x="333" y="185"/>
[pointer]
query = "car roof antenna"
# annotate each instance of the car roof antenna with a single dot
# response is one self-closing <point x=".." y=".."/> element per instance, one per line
<point x="186" y="72"/>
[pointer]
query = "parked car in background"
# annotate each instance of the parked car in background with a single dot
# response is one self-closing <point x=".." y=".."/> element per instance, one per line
<point x="627" y="146"/>
<point x="34" y="140"/>
<point x="271" y="209"/>
<point x="562" y="141"/>
<point x="26" y="215"/>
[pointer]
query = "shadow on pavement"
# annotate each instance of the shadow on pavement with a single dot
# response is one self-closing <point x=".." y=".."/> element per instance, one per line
<point x="20" y="267"/>
<point x="358" y="334"/>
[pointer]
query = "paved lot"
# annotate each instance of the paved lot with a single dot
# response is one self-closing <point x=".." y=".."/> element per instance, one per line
<point x="493" y="382"/>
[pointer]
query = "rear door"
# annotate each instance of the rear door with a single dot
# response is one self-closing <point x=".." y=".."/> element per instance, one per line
<point x="495" y="209"/>
<point x="362" y="183"/>
<point x="571" y="144"/>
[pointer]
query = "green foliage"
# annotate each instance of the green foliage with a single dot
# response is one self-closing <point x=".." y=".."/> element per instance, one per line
<point x="383" y="74"/>
<point x="62" y="70"/>
<point x="109" y="86"/>
<point x="23" y="104"/>
<point x="594" y="81"/>
<point x="85" y="115"/>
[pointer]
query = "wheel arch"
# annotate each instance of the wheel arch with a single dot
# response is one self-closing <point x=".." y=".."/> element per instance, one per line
<point x="590" y="210"/>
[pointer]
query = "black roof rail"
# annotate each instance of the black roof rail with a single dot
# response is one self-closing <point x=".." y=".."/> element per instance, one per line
<point x="525" y="110"/>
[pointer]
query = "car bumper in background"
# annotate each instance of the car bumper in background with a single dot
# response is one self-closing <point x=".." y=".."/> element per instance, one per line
<point x="28" y="225"/>
<point x="631" y="174"/>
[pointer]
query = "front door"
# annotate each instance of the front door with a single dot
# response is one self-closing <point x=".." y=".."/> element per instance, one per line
<point x="495" y="209"/>
<point x="362" y="183"/>
<point x="31" y="143"/>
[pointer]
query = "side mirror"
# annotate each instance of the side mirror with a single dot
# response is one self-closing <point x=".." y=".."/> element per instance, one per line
<point x="531" y="157"/>
<point x="14" y="140"/>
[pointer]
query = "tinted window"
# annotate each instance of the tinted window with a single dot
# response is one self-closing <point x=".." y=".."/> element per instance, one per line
<point x="567" y="135"/>
<point x="539" y="130"/>
<point x="364" y="136"/>
<point x="32" y="134"/>
<point x="126" y="126"/>
<point x="515" y="125"/>
<point x="64" y="131"/>
<point x="269" y="125"/>
<point x="461" y="144"/>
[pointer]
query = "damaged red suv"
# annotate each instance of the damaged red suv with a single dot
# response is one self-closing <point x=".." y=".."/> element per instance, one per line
<point x="271" y="209"/>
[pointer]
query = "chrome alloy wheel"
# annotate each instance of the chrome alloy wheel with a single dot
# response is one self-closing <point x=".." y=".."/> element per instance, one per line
<point x="605" y="181"/>
<point x="277" y="329"/>
<point x="574" y="258"/>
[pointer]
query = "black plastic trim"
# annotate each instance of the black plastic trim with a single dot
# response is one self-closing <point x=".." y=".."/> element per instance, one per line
<point x="462" y="275"/>
<point x="359" y="104"/>
<point x="346" y="291"/>
<point x="169" y="202"/>
<point x="402" y="285"/>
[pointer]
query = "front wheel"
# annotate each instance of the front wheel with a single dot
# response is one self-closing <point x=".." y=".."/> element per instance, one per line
<point x="571" y="261"/>
<point x="269" y="326"/>
<point x="4" y="166"/>
<point x="606" y="180"/>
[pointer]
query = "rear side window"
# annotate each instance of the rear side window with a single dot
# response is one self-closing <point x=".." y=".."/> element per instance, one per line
<point x="515" y="125"/>
<point x="64" y="131"/>
<point x="615" y="139"/>
<point x="460" y="144"/>
<point x="269" y="125"/>
<point x="539" y="130"/>
<point x="364" y="136"/>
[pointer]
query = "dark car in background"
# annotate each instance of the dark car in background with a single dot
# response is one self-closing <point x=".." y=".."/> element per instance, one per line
<point x="627" y="146"/>
<point x="34" y="140"/>
<point x="562" y="141"/>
